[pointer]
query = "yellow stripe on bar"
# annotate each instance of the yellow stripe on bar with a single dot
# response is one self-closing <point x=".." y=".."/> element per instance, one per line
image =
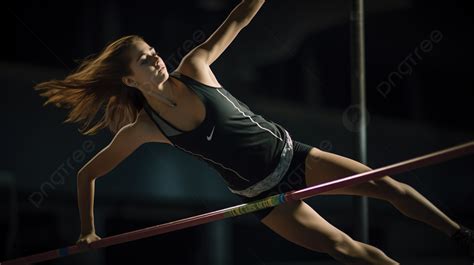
<point x="257" y="205"/>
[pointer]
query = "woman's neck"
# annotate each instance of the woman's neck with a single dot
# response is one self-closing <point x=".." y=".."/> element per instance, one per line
<point x="165" y="97"/>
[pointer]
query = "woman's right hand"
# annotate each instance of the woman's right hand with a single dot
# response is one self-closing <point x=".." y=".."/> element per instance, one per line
<point x="87" y="238"/>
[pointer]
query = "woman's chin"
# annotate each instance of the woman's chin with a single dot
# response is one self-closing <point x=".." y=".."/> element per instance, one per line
<point x="160" y="77"/>
<point x="163" y="75"/>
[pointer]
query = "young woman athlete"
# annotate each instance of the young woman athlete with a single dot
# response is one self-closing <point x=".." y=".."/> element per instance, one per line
<point x="190" y="110"/>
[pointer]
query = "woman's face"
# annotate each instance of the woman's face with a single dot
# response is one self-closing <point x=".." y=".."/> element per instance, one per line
<point x="148" y="69"/>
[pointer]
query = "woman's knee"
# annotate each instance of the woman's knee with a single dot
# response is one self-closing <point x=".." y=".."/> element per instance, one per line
<point x="391" y="188"/>
<point x="345" y="250"/>
<point x="349" y="251"/>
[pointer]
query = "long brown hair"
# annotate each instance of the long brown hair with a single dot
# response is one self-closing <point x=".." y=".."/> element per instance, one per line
<point x="96" y="87"/>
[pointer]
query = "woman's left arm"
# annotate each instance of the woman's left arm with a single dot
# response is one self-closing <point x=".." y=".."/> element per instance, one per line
<point x="208" y="51"/>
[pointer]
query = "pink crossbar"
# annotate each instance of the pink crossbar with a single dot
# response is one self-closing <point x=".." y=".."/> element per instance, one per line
<point x="404" y="166"/>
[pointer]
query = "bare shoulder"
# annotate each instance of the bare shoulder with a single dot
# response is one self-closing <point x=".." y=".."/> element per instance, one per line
<point x="198" y="70"/>
<point x="125" y="141"/>
<point x="146" y="129"/>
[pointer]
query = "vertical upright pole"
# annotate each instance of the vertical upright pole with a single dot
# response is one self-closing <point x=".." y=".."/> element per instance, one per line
<point x="361" y="214"/>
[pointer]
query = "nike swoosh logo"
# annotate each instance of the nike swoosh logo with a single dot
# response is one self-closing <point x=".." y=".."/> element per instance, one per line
<point x="209" y="137"/>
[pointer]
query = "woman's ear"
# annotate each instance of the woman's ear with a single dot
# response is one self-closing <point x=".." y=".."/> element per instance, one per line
<point x="129" y="81"/>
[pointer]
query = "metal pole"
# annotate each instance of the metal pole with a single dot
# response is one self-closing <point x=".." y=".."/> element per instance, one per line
<point x="361" y="208"/>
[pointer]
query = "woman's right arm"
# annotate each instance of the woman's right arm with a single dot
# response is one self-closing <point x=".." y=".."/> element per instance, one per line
<point x="127" y="139"/>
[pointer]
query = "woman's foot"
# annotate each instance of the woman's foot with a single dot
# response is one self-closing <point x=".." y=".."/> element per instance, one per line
<point x="464" y="238"/>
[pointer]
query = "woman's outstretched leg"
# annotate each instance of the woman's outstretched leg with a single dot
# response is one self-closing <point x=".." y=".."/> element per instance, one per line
<point x="300" y="224"/>
<point x="324" y="166"/>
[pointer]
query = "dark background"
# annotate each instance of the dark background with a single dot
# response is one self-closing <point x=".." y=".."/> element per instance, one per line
<point x="292" y="65"/>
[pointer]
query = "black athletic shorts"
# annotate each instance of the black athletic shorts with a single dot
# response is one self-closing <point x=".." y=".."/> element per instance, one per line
<point x="294" y="178"/>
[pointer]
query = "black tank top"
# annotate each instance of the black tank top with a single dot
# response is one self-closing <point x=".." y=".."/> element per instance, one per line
<point x="242" y="146"/>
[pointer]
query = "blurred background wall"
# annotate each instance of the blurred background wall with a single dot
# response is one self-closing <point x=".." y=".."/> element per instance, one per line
<point x="292" y="66"/>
